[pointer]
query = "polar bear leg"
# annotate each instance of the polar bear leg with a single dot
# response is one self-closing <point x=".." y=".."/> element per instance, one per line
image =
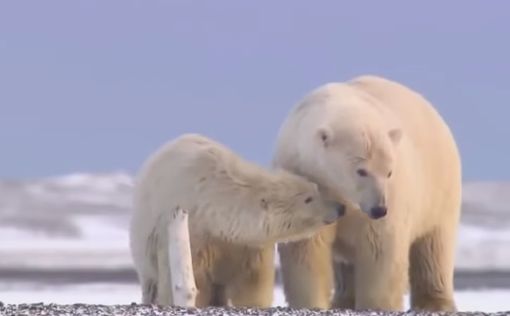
<point x="344" y="297"/>
<point x="164" y="286"/>
<point x="256" y="285"/>
<point x="149" y="290"/>
<point x="255" y="290"/>
<point x="381" y="270"/>
<point x="205" y="290"/>
<point x="431" y="273"/>
<point x="307" y="273"/>
<point x="219" y="295"/>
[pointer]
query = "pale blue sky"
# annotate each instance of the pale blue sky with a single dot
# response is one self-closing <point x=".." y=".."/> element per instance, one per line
<point x="97" y="85"/>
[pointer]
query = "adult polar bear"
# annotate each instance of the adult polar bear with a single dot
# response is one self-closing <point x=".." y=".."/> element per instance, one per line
<point x="384" y="150"/>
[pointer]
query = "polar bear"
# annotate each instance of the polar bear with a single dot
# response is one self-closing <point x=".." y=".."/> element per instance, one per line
<point x="383" y="150"/>
<point x="237" y="213"/>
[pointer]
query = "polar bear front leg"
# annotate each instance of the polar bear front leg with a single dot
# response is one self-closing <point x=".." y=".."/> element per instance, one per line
<point x="344" y="289"/>
<point x="432" y="269"/>
<point x="255" y="289"/>
<point x="253" y="285"/>
<point x="381" y="270"/>
<point x="307" y="272"/>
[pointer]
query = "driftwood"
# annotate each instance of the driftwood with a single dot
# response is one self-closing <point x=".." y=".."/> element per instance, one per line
<point x="183" y="285"/>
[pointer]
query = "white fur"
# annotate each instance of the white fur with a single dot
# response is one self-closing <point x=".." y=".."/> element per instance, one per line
<point x="412" y="168"/>
<point x="231" y="202"/>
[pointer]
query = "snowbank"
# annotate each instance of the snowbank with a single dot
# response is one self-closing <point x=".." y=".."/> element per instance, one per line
<point x="81" y="220"/>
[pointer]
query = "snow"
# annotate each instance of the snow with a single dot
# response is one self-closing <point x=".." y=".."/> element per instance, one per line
<point x="480" y="248"/>
<point x="81" y="219"/>
<point x="110" y="294"/>
<point x="102" y="244"/>
<point x="105" y="182"/>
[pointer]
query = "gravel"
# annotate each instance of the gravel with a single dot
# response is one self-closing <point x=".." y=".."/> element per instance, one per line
<point x="151" y="310"/>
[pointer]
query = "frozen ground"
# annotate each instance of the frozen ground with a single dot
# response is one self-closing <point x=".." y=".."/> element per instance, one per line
<point x="81" y="220"/>
<point x="110" y="294"/>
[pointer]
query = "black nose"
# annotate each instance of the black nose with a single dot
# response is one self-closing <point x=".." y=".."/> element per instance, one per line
<point x="378" y="212"/>
<point x="340" y="210"/>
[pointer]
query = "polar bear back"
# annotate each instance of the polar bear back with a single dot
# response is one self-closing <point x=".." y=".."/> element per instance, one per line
<point x="189" y="167"/>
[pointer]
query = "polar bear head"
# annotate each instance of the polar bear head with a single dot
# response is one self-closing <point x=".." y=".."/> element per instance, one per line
<point x="363" y="163"/>
<point x="358" y="157"/>
<point x="346" y="141"/>
<point x="295" y="208"/>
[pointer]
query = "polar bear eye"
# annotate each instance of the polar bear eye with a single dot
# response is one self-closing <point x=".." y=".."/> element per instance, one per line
<point x="362" y="172"/>
<point x="309" y="200"/>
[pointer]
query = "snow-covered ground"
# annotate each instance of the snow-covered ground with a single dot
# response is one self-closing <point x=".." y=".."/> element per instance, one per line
<point x="81" y="220"/>
<point x="110" y="294"/>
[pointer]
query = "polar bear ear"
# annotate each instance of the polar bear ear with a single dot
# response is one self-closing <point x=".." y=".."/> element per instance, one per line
<point x="395" y="135"/>
<point x="325" y="136"/>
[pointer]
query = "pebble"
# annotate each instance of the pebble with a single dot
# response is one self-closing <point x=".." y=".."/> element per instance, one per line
<point x="41" y="309"/>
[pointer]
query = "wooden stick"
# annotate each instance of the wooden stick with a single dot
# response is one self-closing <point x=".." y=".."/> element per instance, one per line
<point x="183" y="285"/>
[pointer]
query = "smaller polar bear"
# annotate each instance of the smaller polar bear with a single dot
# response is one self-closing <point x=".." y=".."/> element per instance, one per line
<point x="237" y="212"/>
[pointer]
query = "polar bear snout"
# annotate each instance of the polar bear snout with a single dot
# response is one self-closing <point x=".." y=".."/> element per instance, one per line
<point x="377" y="212"/>
<point x="337" y="212"/>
